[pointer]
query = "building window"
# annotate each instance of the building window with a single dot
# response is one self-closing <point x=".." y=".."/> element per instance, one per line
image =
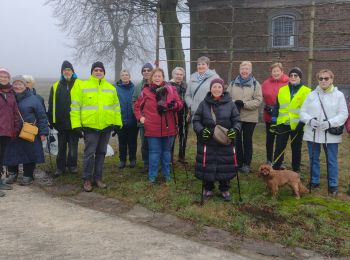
<point x="283" y="28"/>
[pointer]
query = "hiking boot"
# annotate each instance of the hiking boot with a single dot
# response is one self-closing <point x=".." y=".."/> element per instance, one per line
<point x="100" y="184"/>
<point x="245" y="169"/>
<point x="58" y="173"/>
<point x="207" y="194"/>
<point x="2" y="194"/>
<point x="73" y="170"/>
<point x="12" y="178"/>
<point x="333" y="191"/>
<point x="121" y="165"/>
<point x="4" y="186"/>
<point x="226" y="196"/>
<point x="314" y="185"/>
<point x="87" y="187"/>
<point x="132" y="164"/>
<point x="26" y="180"/>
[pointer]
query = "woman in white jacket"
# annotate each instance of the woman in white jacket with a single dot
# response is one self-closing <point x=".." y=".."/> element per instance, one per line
<point x="317" y="121"/>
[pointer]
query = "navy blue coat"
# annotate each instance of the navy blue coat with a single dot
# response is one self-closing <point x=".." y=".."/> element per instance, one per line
<point x="125" y="93"/>
<point x="219" y="158"/>
<point x="20" y="151"/>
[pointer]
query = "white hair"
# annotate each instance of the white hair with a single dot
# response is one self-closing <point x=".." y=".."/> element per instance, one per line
<point x="180" y="69"/>
<point x="29" y="78"/>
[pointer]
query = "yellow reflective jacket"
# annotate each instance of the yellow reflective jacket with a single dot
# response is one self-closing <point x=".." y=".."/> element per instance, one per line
<point x="289" y="109"/>
<point x="95" y="105"/>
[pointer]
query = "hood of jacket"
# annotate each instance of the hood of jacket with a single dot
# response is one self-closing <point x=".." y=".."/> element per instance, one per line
<point x="225" y="98"/>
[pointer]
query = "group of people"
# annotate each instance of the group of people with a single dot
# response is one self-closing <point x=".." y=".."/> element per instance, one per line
<point x="160" y="110"/>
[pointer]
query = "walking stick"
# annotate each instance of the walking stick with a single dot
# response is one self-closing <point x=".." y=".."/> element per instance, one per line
<point x="312" y="158"/>
<point x="236" y="170"/>
<point x="203" y="169"/>
<point x="326" y="152"/>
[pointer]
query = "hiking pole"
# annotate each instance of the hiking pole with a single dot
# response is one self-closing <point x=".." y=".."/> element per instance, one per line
<point x="236" y="170"/>
<point x="203" y="169"/>
<point x="284" y="150"/>
<point x="326" y="153"/>
<point x="312" y="158"/>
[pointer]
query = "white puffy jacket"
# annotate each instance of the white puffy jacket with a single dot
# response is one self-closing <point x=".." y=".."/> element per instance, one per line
<point x="335" y="106"/>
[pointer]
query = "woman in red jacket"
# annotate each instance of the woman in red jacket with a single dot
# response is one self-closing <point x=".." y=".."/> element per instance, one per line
<point x="157" y="108"/>
<point x="270" y="89"/>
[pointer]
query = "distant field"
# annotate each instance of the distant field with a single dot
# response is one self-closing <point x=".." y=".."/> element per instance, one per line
<point x="43" y="86"/>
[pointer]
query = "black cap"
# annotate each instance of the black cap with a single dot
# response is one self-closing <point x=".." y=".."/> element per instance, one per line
<point x="66" y="65"/>
<point x="296" y="70"/>
<point x="98" y="64"/>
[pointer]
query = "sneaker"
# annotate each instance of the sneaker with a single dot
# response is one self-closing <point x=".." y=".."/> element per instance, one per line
<point x="245" y="169"/>
<point x="4" y="186"/>
<point x="87" y="187"/>
<point x="26" y="180"/>
<point x="132" y="164"/>
<point x="207" y="194"/>
<point x="314" y="185"/>
<point x="121" y="165"/>
<point x="100" y="184"/>
<point x="12" y="178"/>
<point x="2" y="194"/>
<point x="73" y="170"/>
<point x="226" y="196"/>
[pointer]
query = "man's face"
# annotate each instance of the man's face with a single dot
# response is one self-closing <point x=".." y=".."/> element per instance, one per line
<point x="67" y="73"/>
<point x="98" y="73"/>
<point x="146" y="73"/>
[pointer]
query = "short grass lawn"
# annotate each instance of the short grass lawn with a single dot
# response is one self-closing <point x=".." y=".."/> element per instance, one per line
<point x="317" y="221"/>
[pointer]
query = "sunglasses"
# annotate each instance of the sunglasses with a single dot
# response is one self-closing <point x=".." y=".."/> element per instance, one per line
<point x="294" y="75"/>
<point x="146" y="70"/>
<point x="325" y="78"/>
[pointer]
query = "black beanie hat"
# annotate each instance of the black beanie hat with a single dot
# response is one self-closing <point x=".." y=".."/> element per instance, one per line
<point x="98" y="64"/>
<point x="296" y="70"/>
<point x="66" y="65"/>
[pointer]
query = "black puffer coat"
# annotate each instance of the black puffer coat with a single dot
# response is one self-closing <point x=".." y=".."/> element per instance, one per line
<point x="219" y="158"/>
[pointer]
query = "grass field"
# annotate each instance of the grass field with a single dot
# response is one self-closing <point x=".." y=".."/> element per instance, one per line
<point x="316" y="221"/>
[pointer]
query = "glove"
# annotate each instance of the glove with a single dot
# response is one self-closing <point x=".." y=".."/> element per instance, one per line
<point x="231" y="134"/>
<point x="325" y="125"/>
<point x="161" y="106"/>
<point x="51" y="126"/>
<point x="206" y="134"/>
<point x="115" y="130"/>
<point x="239" y="104"/>
<point x="300" y="127"/>
<point x="269" y="109"/>
<point x="79" y="132"/>
<point x="314" y="123"/>
<point x="172" y="104"/>
<point x="273" y="129"/>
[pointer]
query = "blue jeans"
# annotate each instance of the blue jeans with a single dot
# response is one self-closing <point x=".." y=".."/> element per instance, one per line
<point x="159" y="148"/>
<point x="332" y="163"/>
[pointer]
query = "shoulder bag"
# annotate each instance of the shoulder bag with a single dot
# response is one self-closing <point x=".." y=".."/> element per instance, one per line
<point x="220" y="132"/>
<point x="28" y="131"/>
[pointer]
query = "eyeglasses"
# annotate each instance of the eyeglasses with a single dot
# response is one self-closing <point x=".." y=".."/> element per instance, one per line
<point x="146" y="70"/>
<point x="98" y="70"/>
<point x="325" y="78"/>
<point x="293" y="75"/>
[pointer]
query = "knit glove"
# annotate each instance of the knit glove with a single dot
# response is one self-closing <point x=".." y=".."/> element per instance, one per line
<point x="206" y="134"/>
<point x="325" y="125"/>
<point x="115" y="130"/>
<point x="231" y="134"/>
<point x="79" y="132"/>
<point x="239" y="104"/>
<point x="314" y="123"/>
<point x="172" y="105"/>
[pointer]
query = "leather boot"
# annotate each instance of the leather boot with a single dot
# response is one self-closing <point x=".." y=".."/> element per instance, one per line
<point x="26" y="180"/>
<point x="121" y="165"/>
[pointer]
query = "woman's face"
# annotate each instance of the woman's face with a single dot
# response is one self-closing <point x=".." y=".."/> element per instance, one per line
<point x="18" y="86"/>
<point x="157" y="78"/>
<point x="325" y="80"/>
<point x="202" y="67"/>
<point x="245" y="71"/>
<point x="217" y="90"/>
<point x="178" y="76"/>
<point x="276" y="73"/>
<point x="125" y="77"/>
<point x="294" y="79"/>
<point x="4" y="78"/>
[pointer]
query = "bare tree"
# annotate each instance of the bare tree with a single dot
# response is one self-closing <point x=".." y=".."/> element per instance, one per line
<point x="113" y="31"/>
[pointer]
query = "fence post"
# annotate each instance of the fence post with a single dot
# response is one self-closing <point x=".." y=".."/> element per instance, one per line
<point x="311" y="46"/>
<point x="230" y="67"/>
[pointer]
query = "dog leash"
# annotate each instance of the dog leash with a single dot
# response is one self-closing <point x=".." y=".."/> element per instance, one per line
<point x="279" y="156"/>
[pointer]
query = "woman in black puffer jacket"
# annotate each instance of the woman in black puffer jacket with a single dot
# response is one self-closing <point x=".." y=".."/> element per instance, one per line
<point x="219" y="158"/>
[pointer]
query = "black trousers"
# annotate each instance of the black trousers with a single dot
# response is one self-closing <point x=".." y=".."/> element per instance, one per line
<point x="127" y="137"/>
<point x="4" y="140"/>
<point x="270" y="142"/>
<point x="67" y="137"/>
<point x="28" y="169"/>
<point x="284" y="132"/>
<point x="223" y="185"/>
<point x="244" y="144"/>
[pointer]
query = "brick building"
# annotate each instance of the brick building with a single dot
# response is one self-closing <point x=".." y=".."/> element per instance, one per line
<point x="266" y="31"/>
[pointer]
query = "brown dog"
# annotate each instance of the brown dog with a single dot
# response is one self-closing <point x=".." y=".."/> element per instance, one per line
<point x="275" y="179"/>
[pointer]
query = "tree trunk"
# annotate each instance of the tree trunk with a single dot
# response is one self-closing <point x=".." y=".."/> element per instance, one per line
<point x="118" y="64"/>
<point x="172" y="27"/>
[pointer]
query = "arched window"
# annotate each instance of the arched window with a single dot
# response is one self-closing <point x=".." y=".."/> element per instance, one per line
<point x="283" y="31"/>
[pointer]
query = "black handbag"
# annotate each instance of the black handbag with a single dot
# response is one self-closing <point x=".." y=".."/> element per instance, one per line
<point x="332" y="130"/>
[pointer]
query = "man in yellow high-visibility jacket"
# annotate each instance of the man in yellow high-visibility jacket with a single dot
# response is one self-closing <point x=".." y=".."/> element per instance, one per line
<point x="95" y="113"/>
<point x="286" y="117"/>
